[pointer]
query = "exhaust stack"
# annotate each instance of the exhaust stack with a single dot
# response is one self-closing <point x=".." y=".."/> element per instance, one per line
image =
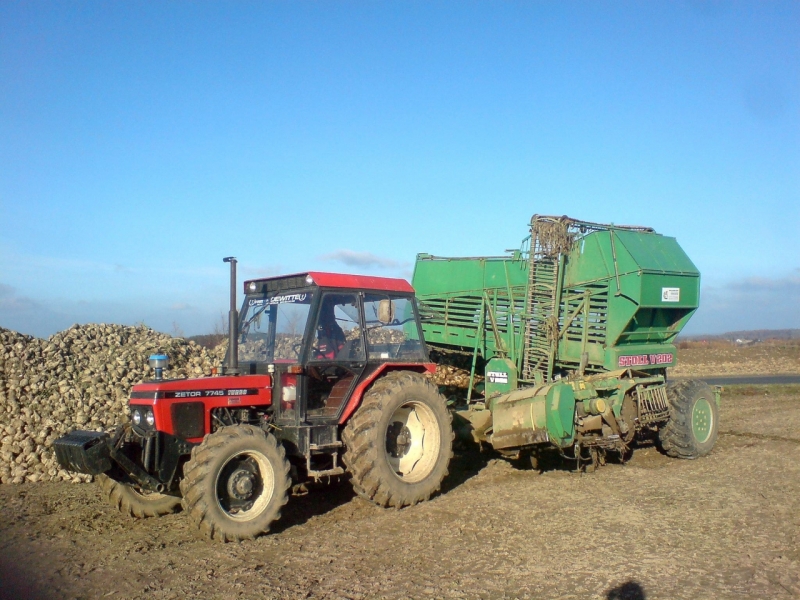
<point x="232" y="366"/>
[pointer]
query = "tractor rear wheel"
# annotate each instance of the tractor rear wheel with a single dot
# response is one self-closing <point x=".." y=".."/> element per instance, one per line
<point x="136" y="503"/>
<point x="235" y="483"/>
<point x="399" y="442"/>
<point x="693" y="423"/>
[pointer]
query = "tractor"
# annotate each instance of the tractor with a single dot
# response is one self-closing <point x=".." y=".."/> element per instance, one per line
<point x="325" y="375"/>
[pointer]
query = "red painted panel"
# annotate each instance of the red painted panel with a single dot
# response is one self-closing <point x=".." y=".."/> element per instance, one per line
<point x="355" y="399"/>
<point x="205" y="383"/>
<point x="367" y="282"/>
<point x="342" y="280"/>
<point x="225" y="386"/>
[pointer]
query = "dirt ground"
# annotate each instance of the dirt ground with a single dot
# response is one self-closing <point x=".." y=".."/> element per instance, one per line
<point x="724" y="526"/>
<point x="723" y="358"/>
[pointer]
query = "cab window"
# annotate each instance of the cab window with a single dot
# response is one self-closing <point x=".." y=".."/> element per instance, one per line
<point x="392" y="328"/>
<point x="337" y="334"/>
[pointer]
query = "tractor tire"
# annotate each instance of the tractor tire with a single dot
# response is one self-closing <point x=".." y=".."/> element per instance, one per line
<point x="235" y="483"/>
<point x="693" y="423"/>
<point x="399" y="442"/>
<point x="135" y="503"/>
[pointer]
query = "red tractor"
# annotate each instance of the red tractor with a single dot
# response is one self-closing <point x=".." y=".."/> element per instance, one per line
<point x="325" y="375"/>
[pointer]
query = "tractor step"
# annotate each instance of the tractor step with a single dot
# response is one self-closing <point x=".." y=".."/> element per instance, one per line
<point x="335" y="468"/>
<point x="331" y="446"/>
<point x="326" y="473"/>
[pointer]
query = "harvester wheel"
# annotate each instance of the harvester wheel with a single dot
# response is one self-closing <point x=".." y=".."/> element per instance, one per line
<point x="235" y="483"/>
<point x="693" y="420"/>
<point x="136" y="503"/>
<point x="399" y="442"/>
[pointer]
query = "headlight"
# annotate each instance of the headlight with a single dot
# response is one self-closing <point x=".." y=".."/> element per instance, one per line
<point x="150" y="418"/>
<point x="137" y="417"/>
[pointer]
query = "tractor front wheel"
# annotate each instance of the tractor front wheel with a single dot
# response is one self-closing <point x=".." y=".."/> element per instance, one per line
<point x="399" y="442"/>
<point x="693" y="420"/>
<point x="235" y="483"/>
<point x="140" y="504"/>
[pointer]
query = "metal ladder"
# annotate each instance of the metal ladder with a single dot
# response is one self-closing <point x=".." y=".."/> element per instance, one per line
<point x="541" y="329"/>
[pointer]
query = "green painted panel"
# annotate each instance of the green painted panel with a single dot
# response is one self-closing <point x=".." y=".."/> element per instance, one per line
<point x="670" y="291"/>
<point x="453" y="291"/>
<point x="657" y="253"/>
<point x="500" y="377"/>
<point x="560" y="411"/>
<point x="641" y="357"/>
<point x="650" y="271"/>
<point x="639" y="289"/>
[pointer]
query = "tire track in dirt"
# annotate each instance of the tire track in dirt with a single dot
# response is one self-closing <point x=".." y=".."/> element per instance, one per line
<point x="759" y="436"/>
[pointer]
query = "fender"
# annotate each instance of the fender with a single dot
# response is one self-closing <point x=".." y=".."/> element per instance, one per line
<point x="358" y="393"/>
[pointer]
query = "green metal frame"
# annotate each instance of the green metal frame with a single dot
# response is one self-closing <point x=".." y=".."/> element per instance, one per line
<point x="576" y="297"/>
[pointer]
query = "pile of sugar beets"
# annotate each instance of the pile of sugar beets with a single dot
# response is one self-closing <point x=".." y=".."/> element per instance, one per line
<point x="77" y="379"/>
<point x="81" y="378"/>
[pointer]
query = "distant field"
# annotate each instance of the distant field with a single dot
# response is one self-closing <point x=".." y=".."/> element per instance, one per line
<point x="721" y="358"/>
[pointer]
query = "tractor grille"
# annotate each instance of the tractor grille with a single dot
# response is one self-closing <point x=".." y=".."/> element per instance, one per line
<point x="653" y="405"/>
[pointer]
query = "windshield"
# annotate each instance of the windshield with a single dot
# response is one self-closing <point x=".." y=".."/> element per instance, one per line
<point x="272" y="326"/>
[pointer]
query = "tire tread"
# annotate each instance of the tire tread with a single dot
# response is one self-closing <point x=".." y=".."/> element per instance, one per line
<point x="198" y="479"/>
<point x="676" y="436"/>
<point x="129" y="502"/>
<point x="362" y="454"/>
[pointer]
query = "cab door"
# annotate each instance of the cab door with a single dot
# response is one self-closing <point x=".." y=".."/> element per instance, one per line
<point x="337" y="355"/>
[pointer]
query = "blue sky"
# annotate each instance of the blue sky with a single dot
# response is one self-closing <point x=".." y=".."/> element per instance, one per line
<point x="141" y="142"/>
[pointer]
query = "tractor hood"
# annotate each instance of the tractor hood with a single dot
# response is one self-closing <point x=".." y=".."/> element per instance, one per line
<point x="204" y="387"/>
<point x="183" y="407"/>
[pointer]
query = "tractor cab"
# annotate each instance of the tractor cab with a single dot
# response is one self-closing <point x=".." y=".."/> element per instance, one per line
<point x="321" y="335"/>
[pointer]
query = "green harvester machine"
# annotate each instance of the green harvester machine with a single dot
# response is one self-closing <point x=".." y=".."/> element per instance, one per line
<point x="574" y="333"/>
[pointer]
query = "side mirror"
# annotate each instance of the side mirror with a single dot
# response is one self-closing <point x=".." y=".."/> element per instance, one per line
<point x="386" y="311"/>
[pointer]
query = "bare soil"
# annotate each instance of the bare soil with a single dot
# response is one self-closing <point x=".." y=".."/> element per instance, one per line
<point x="724" y="358"/>
<point x="724" y="526"/>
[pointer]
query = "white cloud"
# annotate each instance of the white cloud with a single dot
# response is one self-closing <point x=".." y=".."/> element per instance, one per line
<point x="761" y="285"/>
<point x="261" y="272"/>
<point x="352" y="258"/>
<point x="182" y="306"/>
<point x="25" y="315"/>
<point x="749" y="303"/>
<point x="46" y="316"/>
<point x="10" y="301"/>
<point x="50" y="264"/>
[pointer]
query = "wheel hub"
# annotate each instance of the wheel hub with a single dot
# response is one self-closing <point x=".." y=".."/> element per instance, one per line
<point x="412" y="441"/>
<point x="398" y="440"/>
<point x="241" y="484"/>
<point x="702" y="420"/>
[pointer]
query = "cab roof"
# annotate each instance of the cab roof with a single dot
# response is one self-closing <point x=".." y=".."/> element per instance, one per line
<point x="339" y="280"/>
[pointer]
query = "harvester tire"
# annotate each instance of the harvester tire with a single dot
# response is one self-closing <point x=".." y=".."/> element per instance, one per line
<point x="693" y="423"/>
<point x="399" y="442"/>
<point x="235" y="483"/>
<point x="135" y="503"/>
